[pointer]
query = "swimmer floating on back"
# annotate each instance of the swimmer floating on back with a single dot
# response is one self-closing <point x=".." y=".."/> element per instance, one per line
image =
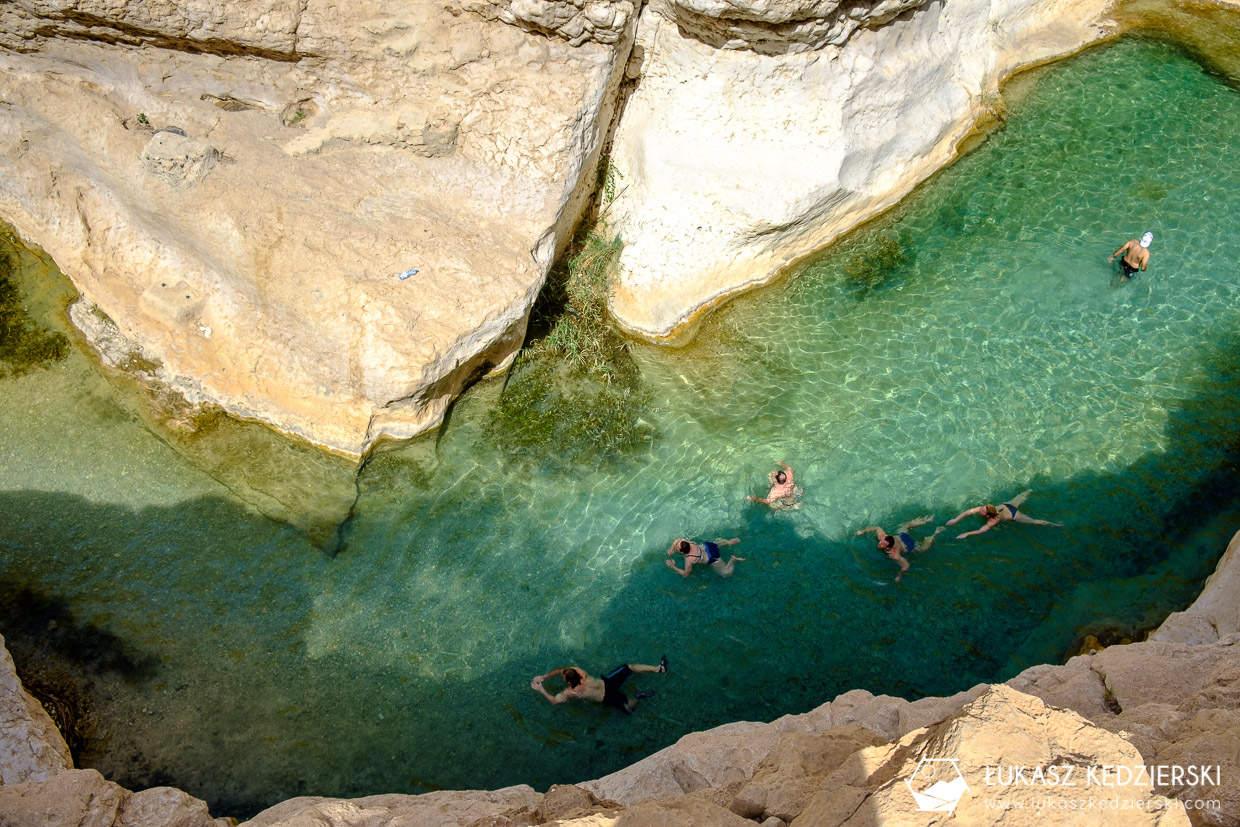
<point x="993" y="516"/>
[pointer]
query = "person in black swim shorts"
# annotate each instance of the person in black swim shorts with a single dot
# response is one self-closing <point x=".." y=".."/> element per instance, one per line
<point x="604" y="690"/>
<point x="901" y="543"/>
<point x="1136" y="256"/>
<point x="1001" y="514"/>
<point x="704" y="554"/>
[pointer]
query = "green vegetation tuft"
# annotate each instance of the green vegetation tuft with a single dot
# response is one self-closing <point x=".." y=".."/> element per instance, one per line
<point x="24" y="345"/>
<point x="553" y="416"/>
<point x="574" y="394"/>
<point x="872" y="268"/>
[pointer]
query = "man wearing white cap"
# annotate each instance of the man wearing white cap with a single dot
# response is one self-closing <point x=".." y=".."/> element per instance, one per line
<point x="1136" y="256"/>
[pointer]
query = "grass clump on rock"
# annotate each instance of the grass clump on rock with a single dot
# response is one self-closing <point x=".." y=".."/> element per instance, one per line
<point x="574" y="394"/>
<point x="24" y="345"/>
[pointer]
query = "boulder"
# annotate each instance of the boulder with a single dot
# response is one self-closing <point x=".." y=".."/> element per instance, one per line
<point x="956" y="760"/>
<point x="327" y="147"/>
<point x="509" y="807"/>
<point x="31" y="748"/>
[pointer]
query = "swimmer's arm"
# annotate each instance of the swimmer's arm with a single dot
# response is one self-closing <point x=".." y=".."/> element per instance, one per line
<point x="868" y="530"/>
<point x="554" y="699"/>
<point x="989" y="525"/>
<point x="963" y="514"/>
<point x="671" y="564"/>
<point x="763" y="500"/>
<point x="1120" y="250"/>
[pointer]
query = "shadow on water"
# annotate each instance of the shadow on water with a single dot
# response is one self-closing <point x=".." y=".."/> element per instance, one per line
<point x="825" y="616"/>
<point x="200" y="620"/>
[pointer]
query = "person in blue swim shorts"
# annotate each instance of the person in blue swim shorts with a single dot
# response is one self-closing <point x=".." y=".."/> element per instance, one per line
<point x="901" y="543"/>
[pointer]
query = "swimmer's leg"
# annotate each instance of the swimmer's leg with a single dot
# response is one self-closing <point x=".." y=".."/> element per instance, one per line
<point x="925" y="544"/>
<point x="1021" y="518"/>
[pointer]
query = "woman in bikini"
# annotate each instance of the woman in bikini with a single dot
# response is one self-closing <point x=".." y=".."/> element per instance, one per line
<point x="704" y="554"/>
<point x="993" y="516"/>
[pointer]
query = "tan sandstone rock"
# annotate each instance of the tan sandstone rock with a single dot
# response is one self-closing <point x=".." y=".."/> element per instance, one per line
<point x="1004" y="727"/>
<point x="326" y="148"/>
<point x="759" y="131"/>
<point x="31" y="748"/>
<point x="84" y="798"/>
<point x="508" y="807"/>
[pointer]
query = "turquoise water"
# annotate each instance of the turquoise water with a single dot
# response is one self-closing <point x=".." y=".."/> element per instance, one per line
<point x="229" y="656"/>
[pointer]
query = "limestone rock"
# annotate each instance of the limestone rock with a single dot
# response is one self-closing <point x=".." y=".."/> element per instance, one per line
<point x="31" y="748"/>
<point x="776" y="27"/>
<point x="567" y="802"/>
<point x="785" y="782"/>
<point x="678" y="812"/>
<point x="509" y="807"/>
<point x="179" y="160"/>
<point x="731" y="753"/>
<point x="1005" y="727"/>
<point x="166" y="807"/>
<point x="603" y="21"/>
<point x="355" y="140"/>
<point x="73" y="798"/>
<point x="1075" y="686"/>
<point x="876" y="115"/>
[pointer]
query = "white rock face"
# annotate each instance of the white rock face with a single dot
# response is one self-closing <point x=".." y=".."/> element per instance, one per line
<point x="327" y="147"/>
<point x="754" y="137"/>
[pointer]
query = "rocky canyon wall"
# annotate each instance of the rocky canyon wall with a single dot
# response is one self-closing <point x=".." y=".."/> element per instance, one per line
<point x="759" y="131"/>
<point x="234" y="189"/>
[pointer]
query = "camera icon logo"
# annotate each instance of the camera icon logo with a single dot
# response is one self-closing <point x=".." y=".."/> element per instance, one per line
<point x="937" y="784"/>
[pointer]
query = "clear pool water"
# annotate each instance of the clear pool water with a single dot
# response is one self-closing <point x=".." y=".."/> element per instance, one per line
<point x="230" y="657"/>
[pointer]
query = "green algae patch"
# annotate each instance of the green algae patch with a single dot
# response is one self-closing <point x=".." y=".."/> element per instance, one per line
<point x="575" y="394"/>
<point x="874" y="266"/>
<point x="553" y="416"/>
<point x="24" y="344"/>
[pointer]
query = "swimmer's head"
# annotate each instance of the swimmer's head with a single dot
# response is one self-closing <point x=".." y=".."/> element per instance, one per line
<point x="572" y="677"/>
<point x="989" y="511"/>
<point x="781" y="477"/>
<point x="682" y="546"/>
<point x="887" y="542"/>
<point x="1146" y="239"/>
